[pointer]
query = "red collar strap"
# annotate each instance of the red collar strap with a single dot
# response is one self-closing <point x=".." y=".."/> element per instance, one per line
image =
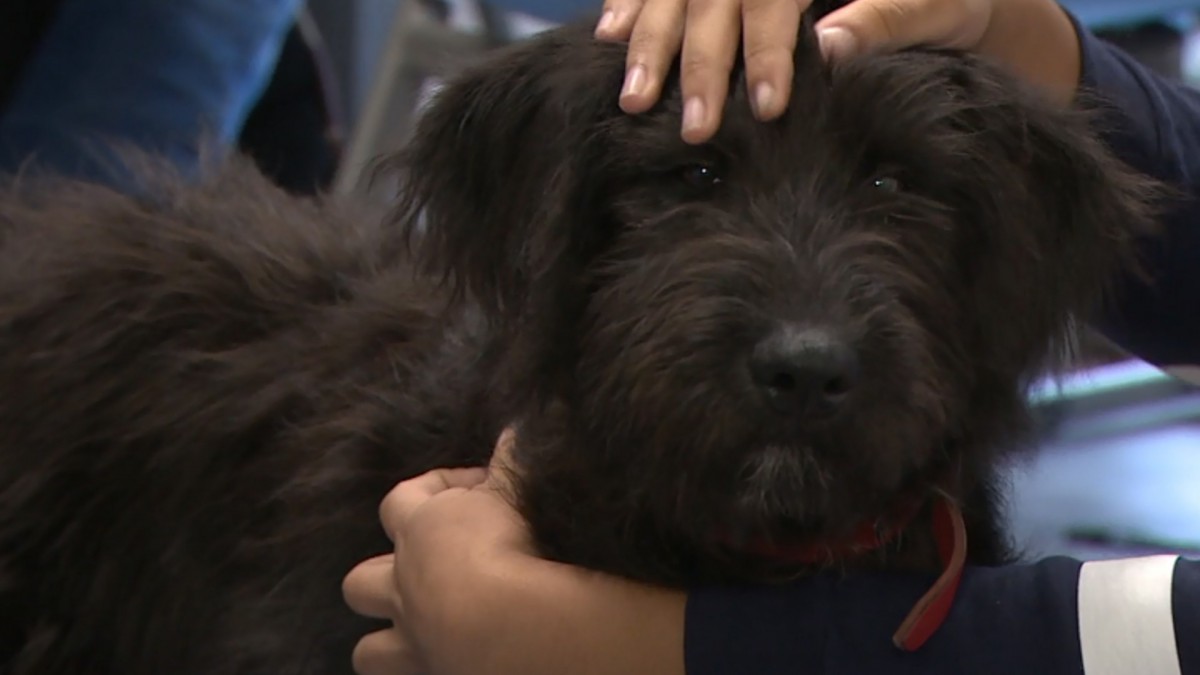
<point x="949" y="533"/>
<point x="931" y="610"/>
<point x="867" y="537"/>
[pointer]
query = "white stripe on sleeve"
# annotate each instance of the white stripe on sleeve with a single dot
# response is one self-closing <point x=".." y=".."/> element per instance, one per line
<point x="1126" y="626"/>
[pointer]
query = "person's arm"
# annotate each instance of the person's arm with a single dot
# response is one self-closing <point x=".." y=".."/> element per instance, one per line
<point x="175" y="78"/>
<point x="1049" y="617"/>
<point x="1155" y="127"/>
<point x="467" y="594"/>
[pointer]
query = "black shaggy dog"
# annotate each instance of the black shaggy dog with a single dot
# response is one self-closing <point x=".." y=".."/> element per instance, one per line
<point x="765" y="341"/>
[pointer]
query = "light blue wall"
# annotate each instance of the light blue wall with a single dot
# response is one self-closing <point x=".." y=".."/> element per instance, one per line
<point x="1110" y="12"/>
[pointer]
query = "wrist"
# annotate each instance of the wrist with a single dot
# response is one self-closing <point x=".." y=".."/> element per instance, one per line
<point x="1037" y="40"/>
<point x="552" y="618"/>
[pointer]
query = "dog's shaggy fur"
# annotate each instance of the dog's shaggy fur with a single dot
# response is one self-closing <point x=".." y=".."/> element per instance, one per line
<point x="206" y="390"/>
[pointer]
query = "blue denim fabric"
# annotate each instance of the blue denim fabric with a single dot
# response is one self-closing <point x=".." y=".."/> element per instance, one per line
<point x="551" y="10"/>
<point x="161" y="75"/>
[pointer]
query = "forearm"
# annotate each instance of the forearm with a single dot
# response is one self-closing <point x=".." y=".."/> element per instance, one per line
<point x="580" y="622"/>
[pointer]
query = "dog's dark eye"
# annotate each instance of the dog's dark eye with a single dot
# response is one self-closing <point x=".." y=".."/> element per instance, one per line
<point x="702" y="176"/>
<point x="887" y="183"/>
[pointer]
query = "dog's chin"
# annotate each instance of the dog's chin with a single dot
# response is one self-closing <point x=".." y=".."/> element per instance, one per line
<point x="797" y="492"/>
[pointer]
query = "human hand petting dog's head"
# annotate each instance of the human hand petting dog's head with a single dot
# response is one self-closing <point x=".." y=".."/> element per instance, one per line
<point x="705" y="36"/>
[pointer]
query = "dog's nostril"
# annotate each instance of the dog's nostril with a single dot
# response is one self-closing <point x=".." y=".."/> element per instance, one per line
<point x="803" y="369"/>
<point x="783" y="382"/>
<point x="838" y="386"/>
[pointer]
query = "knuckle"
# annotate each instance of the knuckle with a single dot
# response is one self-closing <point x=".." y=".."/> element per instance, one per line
<point x="762" y="9"/>
<point x="890" y="16"/>
<point x="766" y="54"/>
<point x="706" y="7"/>
<point x="774" y="6"/>
<point x="898" y="19"/>
<point x="644" y="45"/>
<point x="942" y="6"/>
<point x="771" y="30"/>
<point x="696" y="68"/>
<point x="706" y="59"/>
<point x="628" y="8"/>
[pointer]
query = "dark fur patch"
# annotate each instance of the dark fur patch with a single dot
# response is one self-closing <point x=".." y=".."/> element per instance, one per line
<point x="205" y="391"/>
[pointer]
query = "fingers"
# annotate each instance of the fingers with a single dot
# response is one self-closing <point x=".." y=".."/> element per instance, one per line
<point x="399" y="504"/>
<point x="871" y="26"/>
<point x="767" y="29"/>
<point x="704" y="35"/>
<point x="369" y="588"/>
<point x="771" y="28"/>
<point x="653" y="45"/>
<point x="385" y="652"/>
<point x="709" y="48"/>
<point x="616" y="22"/>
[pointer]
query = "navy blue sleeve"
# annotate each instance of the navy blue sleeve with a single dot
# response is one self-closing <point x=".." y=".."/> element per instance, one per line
<point x="1017" y="619"/>
<point x="1155" y="128"/>
<point x="1185" y="603"/>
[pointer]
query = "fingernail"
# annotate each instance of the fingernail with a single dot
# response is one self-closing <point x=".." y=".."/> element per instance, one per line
<point x="764" y="97"/>
<point x="635" y="81"/>
<point x="606" y="22"/>
<point x="693" y="114"/>
<point x="837" y="43"/>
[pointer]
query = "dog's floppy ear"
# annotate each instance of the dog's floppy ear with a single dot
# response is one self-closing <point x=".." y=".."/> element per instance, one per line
<point x="1071" y="221"/>
<point x="489" y="179"/>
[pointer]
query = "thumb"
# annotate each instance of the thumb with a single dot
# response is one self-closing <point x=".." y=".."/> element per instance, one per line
<point x="502" y="471"/>
<point x="872" y="26"/>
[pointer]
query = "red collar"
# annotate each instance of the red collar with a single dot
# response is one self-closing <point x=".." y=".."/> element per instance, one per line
<point x="931" y="610"/>
<point x="867" y="537"/>
<point x="949" y="532"/>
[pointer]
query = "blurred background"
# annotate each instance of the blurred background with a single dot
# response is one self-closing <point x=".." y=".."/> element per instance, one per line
<point x="1119" y="467"/>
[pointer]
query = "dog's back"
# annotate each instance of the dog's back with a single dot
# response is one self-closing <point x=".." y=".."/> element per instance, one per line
<point x="226" y="316"/>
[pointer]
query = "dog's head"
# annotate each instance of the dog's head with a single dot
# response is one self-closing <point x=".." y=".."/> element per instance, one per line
<point x="778" y="332"/>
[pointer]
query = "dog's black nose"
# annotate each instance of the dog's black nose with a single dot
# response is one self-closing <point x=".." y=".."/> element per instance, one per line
<point x="804" y="370"/>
